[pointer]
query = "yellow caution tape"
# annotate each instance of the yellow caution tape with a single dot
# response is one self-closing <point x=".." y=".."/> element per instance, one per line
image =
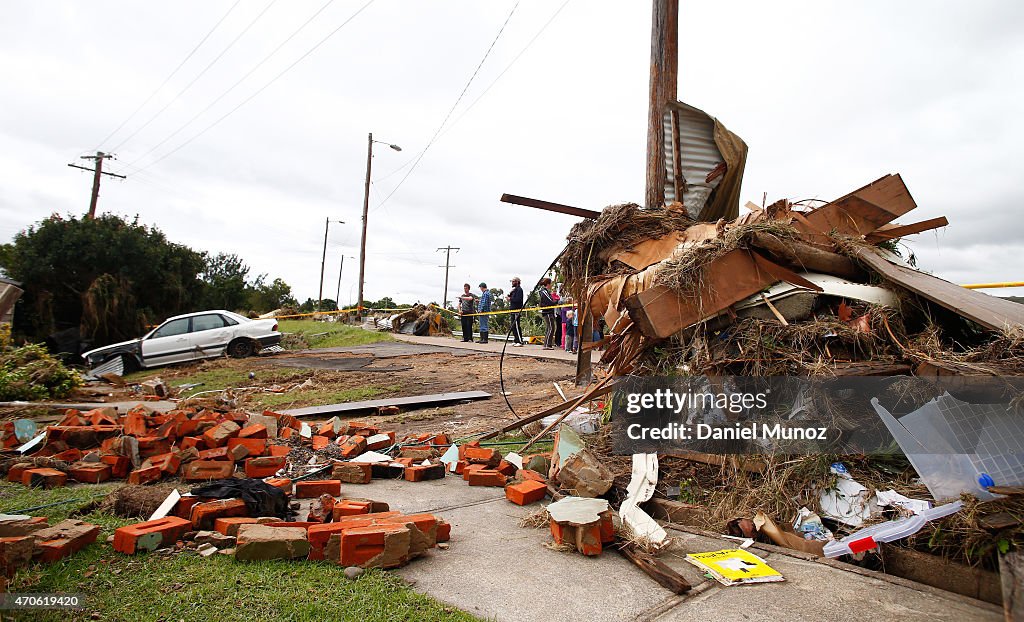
<point x="994" y="285"/>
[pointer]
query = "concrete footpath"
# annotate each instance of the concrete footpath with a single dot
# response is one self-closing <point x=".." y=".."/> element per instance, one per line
<point x="494" y="347"/>
<point x="495" y="569"/>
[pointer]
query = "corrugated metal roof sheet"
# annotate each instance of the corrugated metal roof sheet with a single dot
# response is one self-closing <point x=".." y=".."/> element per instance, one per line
<point x="698" y="153"/>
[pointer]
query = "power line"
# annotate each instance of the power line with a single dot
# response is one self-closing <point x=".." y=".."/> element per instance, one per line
<point x="201" y="74"/>
<point x="454" y="106"/>
<point x="507" y="67"/>
<point x="168" y="78"/>
<point x="235" y="85"/>
<point x="260" y="90"/>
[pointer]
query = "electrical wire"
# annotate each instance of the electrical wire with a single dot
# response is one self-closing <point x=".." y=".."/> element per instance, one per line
<point x="260" y="90"/>
<point x="452" y="110"/>
<point x="201" y="74"/>
<point x="507" y="67"/>
<point x="168" y="78"/>
<point x="233" y="86"/>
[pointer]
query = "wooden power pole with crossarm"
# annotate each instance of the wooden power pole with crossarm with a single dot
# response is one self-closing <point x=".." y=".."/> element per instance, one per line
<point x="97" y="173"/>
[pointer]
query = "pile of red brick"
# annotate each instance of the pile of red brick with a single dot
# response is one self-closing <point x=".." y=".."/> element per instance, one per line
<point x="347" y="531"/>
<point x="24" y="539"/>
<point x="144" y="446"/>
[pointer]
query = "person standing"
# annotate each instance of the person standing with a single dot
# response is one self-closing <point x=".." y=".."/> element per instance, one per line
<point x="548" y="313"/>
<point x="574" y="330"/>
<point x="467" y="306"/>
<point x="484" y="307"/>
<point x="557" y="299"/>
<point x="515" y="302"/>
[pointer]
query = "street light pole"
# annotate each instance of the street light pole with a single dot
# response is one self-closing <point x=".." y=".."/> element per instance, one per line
<point x="323" y="262"/>
<point x="366" y="209"/>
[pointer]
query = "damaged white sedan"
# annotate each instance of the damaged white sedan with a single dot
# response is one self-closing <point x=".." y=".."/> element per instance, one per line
<point x="190" y="337"/>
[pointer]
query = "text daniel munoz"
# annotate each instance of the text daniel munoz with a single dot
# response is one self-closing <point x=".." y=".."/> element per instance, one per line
<point x="667" y="400"/>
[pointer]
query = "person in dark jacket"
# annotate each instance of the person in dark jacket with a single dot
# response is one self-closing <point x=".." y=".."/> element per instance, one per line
<point x="547" y="304"/>
<point x="515" y="302"/>
<point x="467" y="305"/>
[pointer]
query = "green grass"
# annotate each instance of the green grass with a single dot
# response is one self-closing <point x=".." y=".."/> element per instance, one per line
<point x="322" y="396"/>
<point x="331" y="334"/>
<point x="185" y="586"/>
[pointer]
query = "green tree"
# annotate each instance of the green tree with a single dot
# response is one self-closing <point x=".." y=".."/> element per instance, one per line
<point x="264" y="297"/>
<point x="59" y="261"/>
<point x="225" y="278"/>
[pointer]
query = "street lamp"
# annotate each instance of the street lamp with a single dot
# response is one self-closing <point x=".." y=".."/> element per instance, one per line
<point x="323" y="261"/>
<point x="366" y="207"/>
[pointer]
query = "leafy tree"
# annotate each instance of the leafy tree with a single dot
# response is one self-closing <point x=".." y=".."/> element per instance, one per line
<point x="59" y="261"/>
<point x="225" y="278"/>
<point x="328" y="305"/>
<point x="308" y="307"/>
<point x="264" y="297"/>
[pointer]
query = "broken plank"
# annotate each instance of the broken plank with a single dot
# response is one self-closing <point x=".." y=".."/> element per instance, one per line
<point x="1007" y="490"/>
<point x="549" y="206"/>
<point x="988" y="311"/>
<point x="675" y="511"/>
<point x="656" y="569"/>
<point x="415" y="401"/>
<point x="1011" y="573"/>
<point x="891" y="232"/>
<point x="806" y="256"/>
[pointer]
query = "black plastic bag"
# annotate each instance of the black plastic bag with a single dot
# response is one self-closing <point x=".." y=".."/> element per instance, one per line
<point x="260" y="498"/>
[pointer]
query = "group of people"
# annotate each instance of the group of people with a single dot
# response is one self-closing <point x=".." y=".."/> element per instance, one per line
<point x="561" y="322"/>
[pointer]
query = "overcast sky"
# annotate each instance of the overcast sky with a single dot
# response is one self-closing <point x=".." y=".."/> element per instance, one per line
<point x="828" y="95"/>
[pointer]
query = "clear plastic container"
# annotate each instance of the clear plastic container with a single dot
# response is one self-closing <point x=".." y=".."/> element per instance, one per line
<point x="869" y="537"/>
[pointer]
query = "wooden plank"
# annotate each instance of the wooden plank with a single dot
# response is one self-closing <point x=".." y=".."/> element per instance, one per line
<point x="1011" y="573"/>
<point x="415" y="401"/>
<point x="549" y="206"/>
<point x="988" y="311"/>
<point x="1014" y="491"/>
<point x="892" y="232"/>
<point x="674" y="511"/>
<point x="937" y="572"/>
<point x="655" y="569"/>
<point x="850" y="215"/>
<point x="805" y="256"/>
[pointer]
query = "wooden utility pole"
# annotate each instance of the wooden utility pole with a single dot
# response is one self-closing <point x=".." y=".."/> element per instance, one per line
<point x="97" y="172"/>
<point x="323" y="263"/>
<point x="366" y="209"/>
<point x="664" y="77"/>
<point x="447" y="264"/>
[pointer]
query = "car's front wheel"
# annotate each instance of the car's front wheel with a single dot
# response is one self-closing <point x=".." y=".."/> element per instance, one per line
<point x="241" y="348"/>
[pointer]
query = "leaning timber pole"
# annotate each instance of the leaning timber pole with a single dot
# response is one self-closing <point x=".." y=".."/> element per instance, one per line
<point x="664" y="76"/>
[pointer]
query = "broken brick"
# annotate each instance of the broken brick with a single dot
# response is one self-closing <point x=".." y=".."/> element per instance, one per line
<point x="135" y="424"/>
<point x="44" y="478"/>
<point x="218" y="435"/>
<point x="585" y="538"/>
<point x="183" y="508"/>
<point x="204" y="514"/>
<point x="482" y="455"/>
<point x="279" y="450"/>
<point x="168" y="463"/>
<point x="92" y="473"/>
<point x="119" y="465"/>
<point x="506" y="468"/>
<point x="257" y="430"/>
<point x="260" y="542"/>
<point x="266" y="466"/>
<point x="15" y="552"/>
<point x="191" y="442"/>
<point x="425" y="523"/>
<point x="418" y="454"/>
<point x="376" y="546"/>
<point x="528" y="474"/>
<point x="485" y="477"/>
<point x="64" y="539"/>
<point x="419" y="473"/>
<point x="17" y="472"/>
<point x="145" y="475"/>
<point x="354" y="446"/>
<point x="217" y="453"/>
<point x="472" y="468"/>
<point x="314" y="488"/>
<point x="322" y="509"/>
<point x="349" y="507"/>
<point x="153" y="445"/>
<point x="444" y="531"/>
<point x="150" y="535"/>
<point x="283" y="483"/>
<point x="352" y="472"/>
<point x="379" y="441"/>
<point x="256" y="446"/>
<point x="15" y="527"/>
<point x="238" y="453"/>
<point x="68" y="455"/>
<point x="202" y="470"/>
<point x="320" y="442"/>
<point x="229" y="525"/>
<point x="526" y="492"/>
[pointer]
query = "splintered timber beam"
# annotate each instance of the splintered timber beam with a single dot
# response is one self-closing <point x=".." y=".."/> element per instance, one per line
<point x="898" y="231"/>
<point x="557" y="408"/>
<point x="549" y="206"/>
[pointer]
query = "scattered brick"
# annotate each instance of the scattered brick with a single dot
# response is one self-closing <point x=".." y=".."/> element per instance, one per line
<point x="203" y="470"/>
<point x="229" y="525"/>
<point x="69" y="455"/>
<point x="204" y="514"/>
<point x="266" y="466"/>
<point x="419" y="473"/>
<point x="526" y="492"/>
<point x="44" y="478"/>
<point x="379" y="441"/>
<point x="352" y="472"/>
<point x="150" y="535"/>
<point x="444" y="531"/>
<point x="260" y="542"/>
<point x="309" y="489"/>
<point x="153" y="445"/>
<point x="15" y="527"/>
<point x="283" y="483"/>
<point x="585" y="538"/>
<point x="527" y="474"/>
<point x="17" y="472"/>
<point x="481" y="455"/>
<point x="15" y="552"/>
<point x="217" y="453"/>
<point x="322" y="509"/>
<point x="89" y="473"/>
<point x="418" y="454"/>
<point x="279" y="450"/>
<point x="354" y="446"/>
<point x="485" y="477"/>
<point x="257" y="430"/>
<point x="183" y="509"/>
<point x="145" y="475"/>
<point x="470" y="469"/>
<point x="64" y="539"/>
<point x="507" y="469"/>
<point x="256" y="446"/>
<point x="376" y="546"/>
<point x="320" y="442"/>
<point x="218" y="435"/>
<point x="119" y="465"/>
<point x="349" y="507"/>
